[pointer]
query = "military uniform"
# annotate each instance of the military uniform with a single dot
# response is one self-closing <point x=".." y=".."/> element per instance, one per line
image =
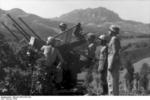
<point x="113" y="66"/>
<point x="54" y="61"/>
<point x="101" y="54"/>
<point x="102" y="68"/>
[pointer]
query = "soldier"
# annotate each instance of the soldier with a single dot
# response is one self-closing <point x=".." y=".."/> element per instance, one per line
<point x="53" y="58"/>
<point x="90" y="63"/>
<point x="65" y="37"/>
<point x="50" y="52"/>
<point x="102" y="68"/>
<point x="63" y="26"/>
<point x="113" y="61"/>
<point x="67" y="50"/>
<point x="91" y="49"/>
<point x="91" y="45"/>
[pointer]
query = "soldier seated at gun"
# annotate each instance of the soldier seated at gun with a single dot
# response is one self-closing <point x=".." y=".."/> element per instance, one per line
<point x="72" y="38"/>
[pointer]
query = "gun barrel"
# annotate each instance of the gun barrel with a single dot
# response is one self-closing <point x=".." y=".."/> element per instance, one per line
<point x="65" y="31"/>
<point x="29" y="28"/>
<point x="28" y="36"/>
<point x="13" y="34"/>
<point x="21" y="32"/>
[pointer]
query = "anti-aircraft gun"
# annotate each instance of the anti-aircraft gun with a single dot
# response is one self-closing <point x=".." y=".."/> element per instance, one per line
<point x="26" y="53"/>
<point x="67" y="50"/>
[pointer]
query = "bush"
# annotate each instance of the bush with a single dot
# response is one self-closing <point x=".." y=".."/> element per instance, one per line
<point x="20" y="74"/>
<point x="144" y="76"/>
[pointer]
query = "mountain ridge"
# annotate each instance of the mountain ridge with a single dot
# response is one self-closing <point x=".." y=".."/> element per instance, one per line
<point x="96" y="12"/>
<point x="102" y="17"/>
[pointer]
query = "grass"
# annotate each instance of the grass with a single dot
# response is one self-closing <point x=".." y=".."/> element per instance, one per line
<point x="125" y="42"/>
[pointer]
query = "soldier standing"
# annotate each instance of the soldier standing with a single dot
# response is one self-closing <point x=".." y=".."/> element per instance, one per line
<point x="91" y="45"/>
<point x="113" y="61"/>
<point x="102" y="68"/>
<point x="90" y="63"/>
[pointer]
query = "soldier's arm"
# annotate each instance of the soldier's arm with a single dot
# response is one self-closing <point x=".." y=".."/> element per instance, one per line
<point x="91" y="50"/>
<point x="102" y="59"/>
<point x="105" y="52"/>
<point x="77" y="32"/>
<point x="59" y="56"/>
<point x="115" y="46"/>
<point x="42" y="48"/>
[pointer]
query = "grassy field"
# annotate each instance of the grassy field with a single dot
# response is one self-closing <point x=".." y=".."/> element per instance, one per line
<point x="124" y="42"/>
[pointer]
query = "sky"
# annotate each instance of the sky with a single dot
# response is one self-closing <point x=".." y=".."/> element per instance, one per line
<point x="137" y="10"/>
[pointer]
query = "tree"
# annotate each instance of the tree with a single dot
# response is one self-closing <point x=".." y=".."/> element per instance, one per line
<point x="144" y="76"/>
<point x="129" y="76"/>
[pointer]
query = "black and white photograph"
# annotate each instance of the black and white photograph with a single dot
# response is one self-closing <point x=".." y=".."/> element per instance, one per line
<point x="74" y="48"/>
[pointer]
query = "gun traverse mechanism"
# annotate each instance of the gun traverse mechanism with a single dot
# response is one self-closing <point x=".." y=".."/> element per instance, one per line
<point x="65" y="31"/>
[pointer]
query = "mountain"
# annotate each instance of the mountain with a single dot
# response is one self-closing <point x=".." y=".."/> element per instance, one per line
<point x="102" y="18"/>
<point x="91" y="16"/>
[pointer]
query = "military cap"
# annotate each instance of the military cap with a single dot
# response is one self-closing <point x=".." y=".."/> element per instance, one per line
<point x="62" y="25"/>
<point x="50" y="40"/>
<point x="114" y="28"/>
<point x="102" y="37"/>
